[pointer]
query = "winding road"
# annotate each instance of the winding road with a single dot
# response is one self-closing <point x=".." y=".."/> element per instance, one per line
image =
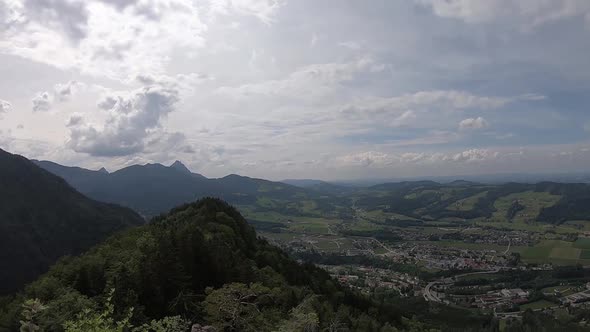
<point x="429" y="294"/>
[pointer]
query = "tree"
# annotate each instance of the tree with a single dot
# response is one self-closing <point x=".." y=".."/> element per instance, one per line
<point x="90" y="321"/>
<point x="237" y="307"/>
<point x="303" y="318"/>
<point x="31" y="311"/>
<point x="166" y="324"/>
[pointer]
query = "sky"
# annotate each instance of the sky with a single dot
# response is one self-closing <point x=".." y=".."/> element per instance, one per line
<point x="330" y="89"/>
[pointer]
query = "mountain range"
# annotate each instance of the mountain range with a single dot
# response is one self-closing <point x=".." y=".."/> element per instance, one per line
<point x="153" y="189"/>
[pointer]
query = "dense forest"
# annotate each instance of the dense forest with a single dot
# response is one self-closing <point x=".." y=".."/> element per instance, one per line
<point x="42" y="218"/>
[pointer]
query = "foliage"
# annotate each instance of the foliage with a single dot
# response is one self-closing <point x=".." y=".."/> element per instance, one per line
<point x="31" y="311"/>
<point x="303" y="318"/>
<point x="239" y="307"/>
<point x="90" y="321"/>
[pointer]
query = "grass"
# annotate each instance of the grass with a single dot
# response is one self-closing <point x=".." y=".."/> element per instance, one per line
<point x="541" y="304"/>
<point x="535" y="253"/>
<point x="533" y="203"/>
<point x="529" y="227"/>
<point x="553" y="251"/>
<point x="565" y="253"/>
<point x="381" y="216"/>
<point x="443" y="194"/>
<point x="585" y="254"/>
<point x="266" y="202"/>
<point x="578" y="225"/>
<point x="564" y="290"/>
<point x="582" y="243"/>
<point x="294" y="224"/>
<point x="467" y="204"/>
<point x="464" y="245"/>
<point x="482" y="276"/>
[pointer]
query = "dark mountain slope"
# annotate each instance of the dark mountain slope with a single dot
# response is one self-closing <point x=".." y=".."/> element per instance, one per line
<point x="153" y="189"/>
<point x="43" y="218"/>
<point x="84" y="180"/>
<point x="149" y="189"/>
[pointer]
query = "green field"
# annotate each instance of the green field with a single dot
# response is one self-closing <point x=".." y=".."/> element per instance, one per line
<point x="582" y="243"/>
<point x="585" y="254"/>
<point x="467" y="204"/>
<point x="381" y="216"/>
<point x="564" y="290"/>
<point x="464" y="245"/>
<point x="565" y="253"/>
<point x="553" y="251"/>
<point x="535" y="254"/>
<point x="541" y="304"/>
<point x="533" y="203"/>
<point x="443" y="194"/>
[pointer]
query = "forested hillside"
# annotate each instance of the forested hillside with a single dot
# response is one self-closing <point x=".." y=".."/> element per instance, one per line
<point x="203" y="264"/>
<point x="42" y="218"/>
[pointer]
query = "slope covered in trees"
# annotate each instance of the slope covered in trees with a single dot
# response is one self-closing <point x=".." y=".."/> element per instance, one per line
<point x="202" y="263"/>
<point x="42" y="218"/>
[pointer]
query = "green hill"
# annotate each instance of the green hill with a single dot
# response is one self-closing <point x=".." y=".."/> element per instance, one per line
<point x="42" y="218"/>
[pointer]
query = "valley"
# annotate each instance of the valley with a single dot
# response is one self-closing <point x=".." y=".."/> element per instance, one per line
<point x="499" y="258"/>
<point x="503" y="250"/>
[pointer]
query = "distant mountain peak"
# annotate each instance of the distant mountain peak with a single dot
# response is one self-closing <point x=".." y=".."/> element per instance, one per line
<point x="180" y="166"/>
<point x="103" y="170"/>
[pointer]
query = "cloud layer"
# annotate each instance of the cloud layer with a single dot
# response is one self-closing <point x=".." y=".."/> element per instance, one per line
<point x="285" y="88"/>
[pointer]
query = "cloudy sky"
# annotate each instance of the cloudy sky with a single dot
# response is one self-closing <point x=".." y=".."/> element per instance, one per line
<point x="330" y="89"/>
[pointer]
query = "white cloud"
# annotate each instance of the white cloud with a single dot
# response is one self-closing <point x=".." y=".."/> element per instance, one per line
<point x="61" y="93"/>
<point x="5" y="106"/>
<point x="42" y="102"/>
<point x="379" y="97"/>
<point x="365" y="159"/>
<point x="350" y="45"/>
<point x="377" y="159"/>
<point x="404" y="119"/>
<point x="314" y="40"/>
<point x="526" y="13"/>
<point x="306" y="83"/>
<point x="473" y="123"/>
<point x="133" y="120"/>
<point x="475" y="155"/>
<point x="440" y="99"/>
<point x="265" y="10"/>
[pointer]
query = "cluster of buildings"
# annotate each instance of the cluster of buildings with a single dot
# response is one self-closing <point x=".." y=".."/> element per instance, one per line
<point x="498" y="300"/>
<point x="367" y="279"/>
<point x="446" y="258"/>
<point x="577" y="299"/>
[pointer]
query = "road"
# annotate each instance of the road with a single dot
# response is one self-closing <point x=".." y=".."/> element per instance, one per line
<point x="508" y="249"/>
<point x="430" y="296"/>
<point x="382" y="245"/>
